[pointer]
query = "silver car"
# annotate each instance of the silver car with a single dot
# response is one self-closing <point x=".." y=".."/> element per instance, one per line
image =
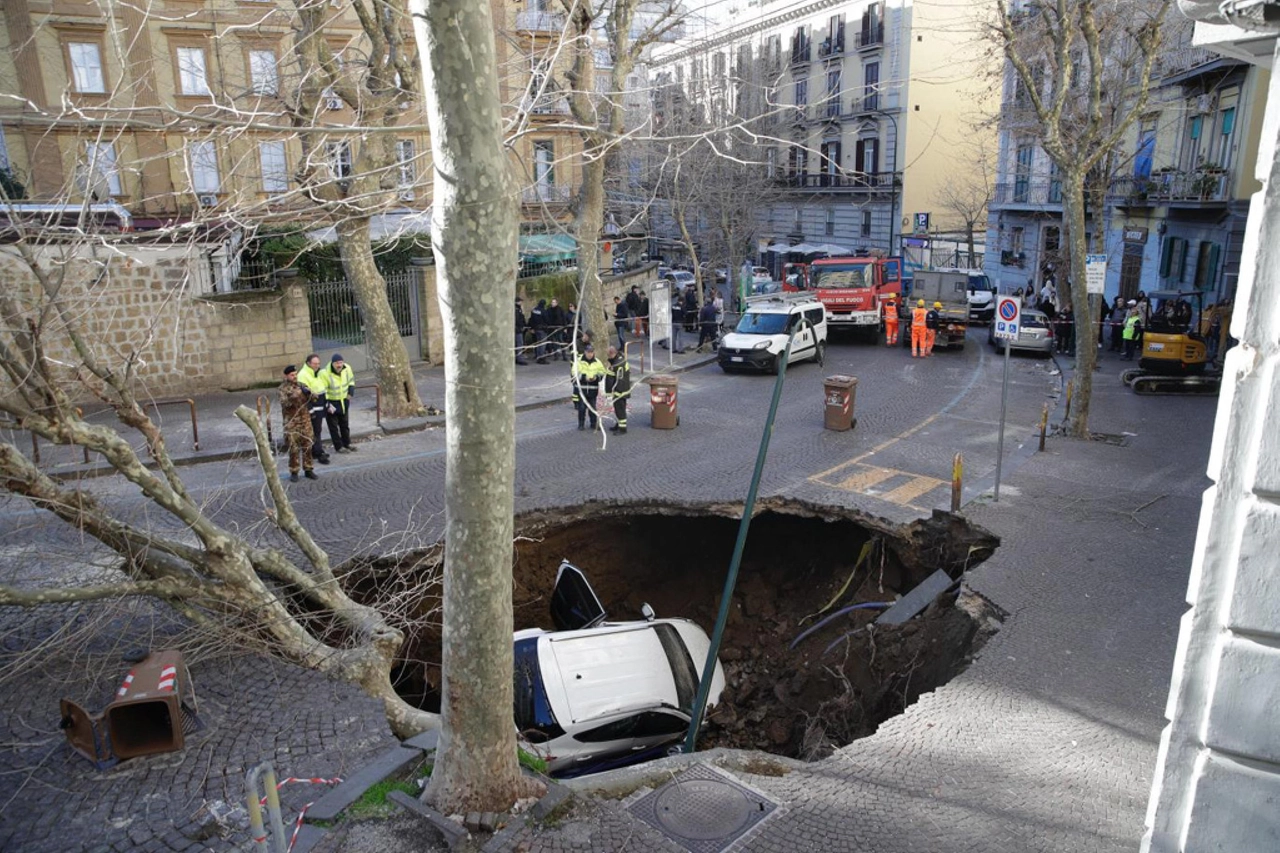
<point x="1034" y="335"/>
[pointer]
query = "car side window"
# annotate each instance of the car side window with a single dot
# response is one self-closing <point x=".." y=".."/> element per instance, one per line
<point x="815" y="315"/>
<point x="646" y="724"/>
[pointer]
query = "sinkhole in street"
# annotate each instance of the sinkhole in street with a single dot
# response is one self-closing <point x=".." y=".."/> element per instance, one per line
<point x="800" y="566"/>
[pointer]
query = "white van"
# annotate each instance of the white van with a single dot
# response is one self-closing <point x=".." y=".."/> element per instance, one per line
<point x="761" y="336"/>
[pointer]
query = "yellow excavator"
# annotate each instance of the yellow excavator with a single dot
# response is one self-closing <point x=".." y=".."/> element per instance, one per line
<point x="1175" y="357"/>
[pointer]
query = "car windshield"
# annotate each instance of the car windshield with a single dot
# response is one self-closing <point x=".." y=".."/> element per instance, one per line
<point x="1032" y="321"/>
<point x="532" y="707"/>
<point x="753" y="323"/>
<point x="980" y="283"/>
<point x="682" y="668"/>
<point x="841" y="275"/>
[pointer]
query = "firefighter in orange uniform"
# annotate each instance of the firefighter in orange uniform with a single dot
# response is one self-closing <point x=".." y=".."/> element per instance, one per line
<point x="891" y="322"/>
<point x="918" y="330"/>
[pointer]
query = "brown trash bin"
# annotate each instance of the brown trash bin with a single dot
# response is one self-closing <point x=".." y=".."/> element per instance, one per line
<point x="839" y="392"/>
<point x="662" y="399"/>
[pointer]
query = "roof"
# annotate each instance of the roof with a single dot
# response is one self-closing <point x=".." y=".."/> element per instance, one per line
<point x="548" y="247"/>
<point x="602" y="672"/>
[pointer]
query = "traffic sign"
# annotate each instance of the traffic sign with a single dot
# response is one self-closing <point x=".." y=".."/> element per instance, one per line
<point x="1008" y="318"/>
<point x="1095" y="273"/>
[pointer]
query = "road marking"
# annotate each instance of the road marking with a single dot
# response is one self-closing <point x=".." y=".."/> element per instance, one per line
<point x="908" y="492"/>
<point x="864" y="480"/>
<point x="907" y="485"/>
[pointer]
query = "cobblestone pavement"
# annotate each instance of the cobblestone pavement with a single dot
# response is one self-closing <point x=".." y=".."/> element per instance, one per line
<point x="1046" y="743"/>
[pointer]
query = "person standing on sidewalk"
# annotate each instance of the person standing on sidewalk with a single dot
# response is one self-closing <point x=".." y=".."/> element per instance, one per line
<point x="586" y="376"/>
<point x="341" y="384"/>
<point x="621" y="319"/>
<point x="297" y="424"/>
<point x="707" y="324"/>
<point x="918" y="315"/>
<point x="891" y="322"/>
<point x="555" y="330"/>
<point x="538" y="322"/>
<point x="520" y="359"/>
<point x="1116" y="321"/>
<point x="309" y="377"/>
<point x="633" y="310"/>
<point x="1132" y="330"/>
<point x="617" y="385"/>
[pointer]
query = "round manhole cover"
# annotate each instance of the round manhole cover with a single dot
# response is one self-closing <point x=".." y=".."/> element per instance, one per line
<point x="703" y="809"/>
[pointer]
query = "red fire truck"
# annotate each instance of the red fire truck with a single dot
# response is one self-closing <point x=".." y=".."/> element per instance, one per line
<point x="795" y="277"/>
<point x="853" y="290"/>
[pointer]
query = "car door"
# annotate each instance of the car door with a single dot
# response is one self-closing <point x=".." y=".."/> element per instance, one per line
<point x="802" y="347"/>
<point x="574" y="604"/>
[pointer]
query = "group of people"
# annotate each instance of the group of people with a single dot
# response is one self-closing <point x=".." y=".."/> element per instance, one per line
<point x="924" y="326"/>
<point x="309" y="398"/>
<point x="551" y="328"/>
<point x="587" y="374"/>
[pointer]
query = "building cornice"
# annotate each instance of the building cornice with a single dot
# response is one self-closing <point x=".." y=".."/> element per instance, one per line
<point x="745" y="31"/>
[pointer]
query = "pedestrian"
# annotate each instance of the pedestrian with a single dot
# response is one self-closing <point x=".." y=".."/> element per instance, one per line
<point x="633" y="310"/>
<point x="1211" y="331"/>
<point x="932" y="320"/>
<point x="572" y="329"/>
<point x="297" y="423"/>
<point x="538" y="322"/>
<point x="1132" y="329"/>
<point x="520" y="359"/>
<point x="644" y="312"/>
<point x="309" y="377"/>
<point x="718" y="302"/>
<point x="1118" y="312"/>
<point x="690" y="308"/>
<point x="621" y="319"/>
<point x="677" y="320"/>
<point x="918" y="315"/>
<point x="707" y="324"/>
<point x="1065" y="335"/>
<point x="617" y="385"/>
<point x="555" y="319"/>
<point x="585" y="376"/>
<point x="1049" y="293"/>
<point x="340" y="385"/>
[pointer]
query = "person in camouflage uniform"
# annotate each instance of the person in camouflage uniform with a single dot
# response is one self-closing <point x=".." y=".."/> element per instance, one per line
<point x="297" y="424"/>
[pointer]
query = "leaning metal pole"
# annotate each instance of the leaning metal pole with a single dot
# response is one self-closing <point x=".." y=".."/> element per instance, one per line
<point x="726" y="597"/>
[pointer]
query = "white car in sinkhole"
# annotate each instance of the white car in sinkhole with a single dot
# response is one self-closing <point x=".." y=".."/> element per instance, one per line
<point x="594" y="695"/>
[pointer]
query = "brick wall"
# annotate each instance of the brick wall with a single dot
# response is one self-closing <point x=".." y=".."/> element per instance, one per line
<point x="146" y="305"/>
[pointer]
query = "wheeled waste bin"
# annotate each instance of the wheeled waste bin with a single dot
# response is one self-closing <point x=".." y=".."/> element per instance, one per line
<point x="839" y="392"/>
<point x="662" y="399"/>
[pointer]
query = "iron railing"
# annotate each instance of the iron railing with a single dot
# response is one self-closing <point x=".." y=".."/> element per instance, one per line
<point x="855" y="182"/>
<point x="1198" y="185"/>
<point x="539" y="22"/>
<point x="335" y="313"/>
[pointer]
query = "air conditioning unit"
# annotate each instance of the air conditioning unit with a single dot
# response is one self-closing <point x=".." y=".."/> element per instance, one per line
<point x="207" y="199"/>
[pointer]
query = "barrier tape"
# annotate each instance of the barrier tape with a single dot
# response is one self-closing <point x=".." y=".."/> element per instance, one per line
<point x="297" y="824"/>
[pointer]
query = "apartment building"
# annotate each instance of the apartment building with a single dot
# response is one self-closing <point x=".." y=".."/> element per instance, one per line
<point x="862" y="111"/>
<point x="1176" y="191"/>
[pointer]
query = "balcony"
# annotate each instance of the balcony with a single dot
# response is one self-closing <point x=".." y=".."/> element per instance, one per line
<point x="1029" y="194"/>
<point x="868" y="183"/>
<point x="865" y="104"/>
<point x="1171" y="186"/>
<point x="801" y="56"/>
<point x="827" y="110"/>
<point x="547" y="106"/>
<point x="546" y="194"/>
<point x="832" y="46"/>
<point x="871" y="36"/>
<point x="539" y="22"/>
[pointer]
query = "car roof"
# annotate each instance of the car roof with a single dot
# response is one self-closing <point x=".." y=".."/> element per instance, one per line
<point x="599" y="671"/>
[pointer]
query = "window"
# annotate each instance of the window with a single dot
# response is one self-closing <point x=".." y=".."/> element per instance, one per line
<point x="866" y="223"/>
<point x="544" y="163"/>
<point x="1052" y="239"/>
<point x="192" y="76"/>
<point x="833" y="91"/>
<point x="867" y="156"/>
<point x="830" y="153"/>
<point x="203" y="159"/>
<point x="264" y="77"/>
<point x="802" y="93"/>
<point x="275" y="168"/>
<point x="103" y="173"/>
<point x="1015" y="238"/>
<point x="1146" y="149"/>
<point x="1022" y="172"/>
<point x="339" y="157"/>
<point x="86" y="67"/>
<point x="831" y="221"/>
<point x="406" y="156"/>
<point x="1207" y="265"/>
<point x="771" y="162"/>
<point x="871" y="86"/>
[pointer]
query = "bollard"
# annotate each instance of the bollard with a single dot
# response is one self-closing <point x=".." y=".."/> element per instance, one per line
<point x="257" y="829"/>
<point x="1044" y="425"/>
<point x="957" y="481"/>
<point x="377" y="400"/>
<point x="191" y="405"/>
<point x="263" y="405"/>
<point x="627" y="352"/>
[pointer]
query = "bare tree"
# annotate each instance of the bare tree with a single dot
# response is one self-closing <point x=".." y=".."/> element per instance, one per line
<point x="966" y="194"/>
<point x="474" y="238"/>
<point x="1084" y="73"/>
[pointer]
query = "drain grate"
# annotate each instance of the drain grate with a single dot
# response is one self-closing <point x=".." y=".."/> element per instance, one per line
<point x="703" y="810"/>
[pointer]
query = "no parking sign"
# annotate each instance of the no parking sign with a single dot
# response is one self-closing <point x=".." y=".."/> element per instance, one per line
<point x="1008" y="318"/>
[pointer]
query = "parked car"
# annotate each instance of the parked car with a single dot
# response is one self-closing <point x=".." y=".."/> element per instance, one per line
<point x="1035" y="334"/>
<point x="679" y="278"/>
<point x="762" y="333"/>
<point x="761" y="275"/>
<point x="594" y="695"/>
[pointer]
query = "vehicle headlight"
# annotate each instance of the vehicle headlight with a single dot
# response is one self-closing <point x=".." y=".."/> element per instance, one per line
<point x="761" y="345"/>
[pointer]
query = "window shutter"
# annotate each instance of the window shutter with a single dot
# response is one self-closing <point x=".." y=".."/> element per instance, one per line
<point x="1179" y="259"/>
<point x="1166" y="256"/>
<point x="1211" y="267"/>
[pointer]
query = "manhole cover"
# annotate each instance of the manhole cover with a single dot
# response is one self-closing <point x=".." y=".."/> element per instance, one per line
<point x="703" y="810"/>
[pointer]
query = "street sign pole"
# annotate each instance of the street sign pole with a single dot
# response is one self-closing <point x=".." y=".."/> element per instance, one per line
<point x="1008" y="321"/>
<point x="1004" y="400"/>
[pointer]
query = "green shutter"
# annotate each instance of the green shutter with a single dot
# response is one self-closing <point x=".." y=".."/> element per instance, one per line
<point x="1166" y="256"/>
<point x="1211" y="267"/>
<point x="1179" y="260"/>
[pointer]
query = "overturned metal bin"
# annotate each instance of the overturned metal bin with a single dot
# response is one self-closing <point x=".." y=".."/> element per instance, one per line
<point x="147" y="716"/>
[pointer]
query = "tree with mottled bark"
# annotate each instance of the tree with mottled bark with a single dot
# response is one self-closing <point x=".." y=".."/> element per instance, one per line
<point x="474" y="230"/>
<point x="1084" y="72"/>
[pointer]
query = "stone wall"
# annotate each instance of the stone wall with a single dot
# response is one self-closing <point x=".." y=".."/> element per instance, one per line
<point x="145" y="304"/>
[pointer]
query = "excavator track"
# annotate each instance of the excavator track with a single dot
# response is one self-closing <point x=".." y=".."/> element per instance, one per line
<point x="1154" y="385"/>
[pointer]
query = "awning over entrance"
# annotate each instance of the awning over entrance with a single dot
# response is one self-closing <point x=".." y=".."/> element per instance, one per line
<point x="540" y="248"/>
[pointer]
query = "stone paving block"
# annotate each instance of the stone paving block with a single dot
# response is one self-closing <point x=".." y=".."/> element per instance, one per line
<point x="452" y="832"/>
<point x="308" y="837"/>
<point x="556" y="794"/>
<point x="391" y="761"/>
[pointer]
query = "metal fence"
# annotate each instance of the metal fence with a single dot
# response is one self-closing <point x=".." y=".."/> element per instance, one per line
<point x="336" y="319"/>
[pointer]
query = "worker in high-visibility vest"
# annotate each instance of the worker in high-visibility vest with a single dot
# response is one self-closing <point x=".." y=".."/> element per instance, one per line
<point x="918" y="330"/>
<point x="891" y="322"/>
<point x="931" y="322"/>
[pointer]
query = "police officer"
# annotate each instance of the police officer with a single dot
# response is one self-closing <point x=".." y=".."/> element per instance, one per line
<point x="586" y="375"/>
<point x="297" y="424"/>
<point x="340" y="384"/>
<point x="617" y="384"/>
<point x="309" y="377"/>
<point x="918" y="328"/>
<point x="932" y="320"/>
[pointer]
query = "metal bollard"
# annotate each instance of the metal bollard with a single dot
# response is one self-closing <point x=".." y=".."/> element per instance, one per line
<point x="1044" y="425"/>
<point x="957" y="481"/>
<point x="377" y="400"/>
<point x="191" y="405"/>
<point x="256" y="828"/>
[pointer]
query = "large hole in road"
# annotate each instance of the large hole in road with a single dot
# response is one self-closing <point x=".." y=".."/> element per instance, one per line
<point x="801" y="565"/>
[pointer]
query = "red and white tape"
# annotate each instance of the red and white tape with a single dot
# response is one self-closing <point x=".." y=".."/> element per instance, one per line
<point x="314" y="780"/>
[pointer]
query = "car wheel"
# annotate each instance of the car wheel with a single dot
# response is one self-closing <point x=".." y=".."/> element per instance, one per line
<point x="820" y="355"/>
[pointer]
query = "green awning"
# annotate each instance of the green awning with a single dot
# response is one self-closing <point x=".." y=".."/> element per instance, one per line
<point x="547" y="247"/>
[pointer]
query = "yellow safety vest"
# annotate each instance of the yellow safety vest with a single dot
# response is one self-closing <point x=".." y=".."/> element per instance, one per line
<point x="339" y="384"/>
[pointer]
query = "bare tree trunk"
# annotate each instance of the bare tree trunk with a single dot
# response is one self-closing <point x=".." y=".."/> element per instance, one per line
<point x="474" y="233"/>
<point x="1086" y="352"/>
<point x="382" y="332"/>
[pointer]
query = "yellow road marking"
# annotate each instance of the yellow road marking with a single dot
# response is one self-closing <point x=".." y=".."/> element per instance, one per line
<point x="881" y="446"/>
<point x="866" y="479"/>
<point x="908" y="492"/>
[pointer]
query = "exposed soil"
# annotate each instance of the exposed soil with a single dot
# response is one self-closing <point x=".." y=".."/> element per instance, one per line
<point x="836" y="685"/>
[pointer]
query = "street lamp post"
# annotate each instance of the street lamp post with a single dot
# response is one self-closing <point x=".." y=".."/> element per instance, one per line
<point x="893" y="177"/>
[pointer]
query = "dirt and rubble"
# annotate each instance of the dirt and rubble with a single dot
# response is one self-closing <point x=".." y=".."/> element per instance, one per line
<point x="800" y="565"/>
